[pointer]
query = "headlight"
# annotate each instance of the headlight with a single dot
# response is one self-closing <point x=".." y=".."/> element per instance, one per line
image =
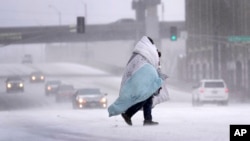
<point x="21" y="85"/>
<point x="103" y="100"/>
<point x="80" y="100"/>
<point x="8" y="85"/>
<point x="42" y="77"/>
<point x="80" y="105"/>
<point x="104" y="105"/>
<point x="33" y="78"/>
<point x="49" y="88"/>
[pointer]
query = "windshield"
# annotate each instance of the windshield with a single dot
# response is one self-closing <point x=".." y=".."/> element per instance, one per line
<point x="89" y="92"/>
<point x="13" y="78"/>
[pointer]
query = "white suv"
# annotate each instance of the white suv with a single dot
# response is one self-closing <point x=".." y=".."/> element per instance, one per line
<point x="210" y="91"/>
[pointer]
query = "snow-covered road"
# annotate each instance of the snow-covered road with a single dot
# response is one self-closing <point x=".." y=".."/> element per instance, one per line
<point x="179" y="121"/>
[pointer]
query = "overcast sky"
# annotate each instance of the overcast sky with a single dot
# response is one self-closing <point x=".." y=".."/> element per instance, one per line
<point x="46" y="12"/>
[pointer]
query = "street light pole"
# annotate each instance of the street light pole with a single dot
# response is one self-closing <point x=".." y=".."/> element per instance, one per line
<point x="58" y="12"/>
<point x="86" y="51"/>
<point x="85" y="11"/>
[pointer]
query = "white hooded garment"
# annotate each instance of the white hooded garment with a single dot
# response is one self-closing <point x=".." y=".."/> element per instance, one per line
<point x="140" y="79"/>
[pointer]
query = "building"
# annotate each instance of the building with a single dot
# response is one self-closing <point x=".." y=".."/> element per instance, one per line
<point x="218" y="44"/>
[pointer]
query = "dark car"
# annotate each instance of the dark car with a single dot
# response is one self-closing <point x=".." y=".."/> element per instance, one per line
<point x="51" y="87"/>
<point x="65" y="92"/>
<point x="89" y="97"/>
<point x="14" y="84"/>
<point x="37" y="77"/>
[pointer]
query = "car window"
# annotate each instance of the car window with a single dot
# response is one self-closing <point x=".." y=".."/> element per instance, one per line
<point x="89" y="91"/>
<point x="214" y="84"/>
<point x="12" y="78"/>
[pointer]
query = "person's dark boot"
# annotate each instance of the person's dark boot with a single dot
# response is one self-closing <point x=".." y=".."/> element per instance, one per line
<point x="149" y="122"/>
<point x="127" y="119"/>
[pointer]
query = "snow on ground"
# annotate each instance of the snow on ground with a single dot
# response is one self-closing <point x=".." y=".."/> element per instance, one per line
<point x="13" y="69"/>
<point x="54" y="69"/>
<point x="75" y="69"/>
<point x="179" y="121"/>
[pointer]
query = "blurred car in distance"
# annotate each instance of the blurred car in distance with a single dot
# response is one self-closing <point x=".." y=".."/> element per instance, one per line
<point x="210" y="91"/>
<point x="51" y="87"/>
<point x="14" y="84"/>
<point x="125" y="21"/>
<point x="37" y="76"/>
<point x="65" y="92"/>
<point x="27" y="58"/>
<point x="89" y="97"/>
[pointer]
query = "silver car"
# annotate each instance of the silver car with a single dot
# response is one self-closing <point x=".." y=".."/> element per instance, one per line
<point x="89" y="97"/>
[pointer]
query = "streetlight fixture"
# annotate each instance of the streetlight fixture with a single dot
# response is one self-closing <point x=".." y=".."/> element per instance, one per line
<point x="58" y="12"/>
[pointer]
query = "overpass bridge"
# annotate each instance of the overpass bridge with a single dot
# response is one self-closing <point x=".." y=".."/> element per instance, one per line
<point x="67" y="33"/>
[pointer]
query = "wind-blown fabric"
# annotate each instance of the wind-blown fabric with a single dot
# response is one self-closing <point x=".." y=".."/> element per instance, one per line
<point x="162" y="96"/>
<point x="140" y="79"/>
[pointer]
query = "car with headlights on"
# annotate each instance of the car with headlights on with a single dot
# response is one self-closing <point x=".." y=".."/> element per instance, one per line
<point x="65" y="93"/>
<point x="89" y="97"/>
<point x="14" y="84"/>
<point x="37" y="76"/>
<point x="51" y="87"/>
<point x="210" y="91"/>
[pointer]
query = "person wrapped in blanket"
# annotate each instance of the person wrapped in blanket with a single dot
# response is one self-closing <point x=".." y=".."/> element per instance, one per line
<point x="140" y="82"/>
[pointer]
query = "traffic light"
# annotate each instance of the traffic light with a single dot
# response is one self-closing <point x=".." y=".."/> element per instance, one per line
<point x="80" y="27"/>
<point x="173" y="33"/>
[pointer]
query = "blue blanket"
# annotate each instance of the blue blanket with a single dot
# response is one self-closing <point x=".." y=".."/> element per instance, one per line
<point x="139" y="87"/>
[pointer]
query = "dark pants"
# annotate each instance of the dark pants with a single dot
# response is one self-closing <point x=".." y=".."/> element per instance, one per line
<point x="146" y="105"/>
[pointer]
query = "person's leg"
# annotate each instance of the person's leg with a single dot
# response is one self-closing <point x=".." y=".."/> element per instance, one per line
<point x="135" y="108"/>
<point x="131" y="111"/>
<point x="147" y="109"/>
